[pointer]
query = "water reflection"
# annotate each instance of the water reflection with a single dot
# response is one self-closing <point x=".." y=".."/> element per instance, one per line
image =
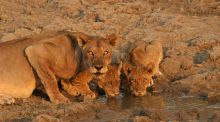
<point x="131" y="102"/>
<point x="166" y="102"/>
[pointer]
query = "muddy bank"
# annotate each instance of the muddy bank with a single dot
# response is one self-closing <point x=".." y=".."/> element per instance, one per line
<point x="189" y="89"/>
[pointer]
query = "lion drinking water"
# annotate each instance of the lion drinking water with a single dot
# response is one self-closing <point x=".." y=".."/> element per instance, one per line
<point x="143" y="65"/>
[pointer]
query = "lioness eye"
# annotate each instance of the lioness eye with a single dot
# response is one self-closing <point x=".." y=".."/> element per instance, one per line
<point x="145" y="79"/>
<point x="106" y="52"/>
<point x="90" y="53"/>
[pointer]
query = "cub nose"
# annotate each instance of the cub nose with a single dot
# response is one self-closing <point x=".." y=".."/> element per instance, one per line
<point x="139" y="93"/>
<point x="98" y="67"/>
<point x="116" y="94"/>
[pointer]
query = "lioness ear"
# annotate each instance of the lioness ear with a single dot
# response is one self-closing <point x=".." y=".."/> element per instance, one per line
<point x="113" y="39"/>
<point x="82" y="39"/>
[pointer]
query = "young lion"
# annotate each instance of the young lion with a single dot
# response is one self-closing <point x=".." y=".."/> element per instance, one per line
<point x="148" y="56"/>
<point x="110" y="83"/>
<point x="137" y="79"/>
<point x="145" y="59"/>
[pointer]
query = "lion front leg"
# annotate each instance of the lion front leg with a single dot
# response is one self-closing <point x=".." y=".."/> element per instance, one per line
<point x="87" y="93"/>
<point x="47" y="77"/>
<point x="51" y="87"/>
<point x="81" y="82"/>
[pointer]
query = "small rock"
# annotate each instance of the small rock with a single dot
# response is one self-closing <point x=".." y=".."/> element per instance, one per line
<point x="4" y="99"/>
<point x="186" y="65"/>
<point x="213" y="97"/>
<point x="10" y="30"/>
<point x="215" y="54"/>
<point x="5" y="17"/>
<point x="215" y="117"/>
<point x="37" y="31"/>
<point x="185" y="115"/>
<point x="45" y="118"/>
<point x="7" y="37"/>
<point x="200" y="57"/>
<point x="142" y="119"/>
<point x="22" y="32"/>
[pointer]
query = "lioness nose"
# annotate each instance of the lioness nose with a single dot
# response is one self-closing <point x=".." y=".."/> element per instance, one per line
<point x="98" y="67"/>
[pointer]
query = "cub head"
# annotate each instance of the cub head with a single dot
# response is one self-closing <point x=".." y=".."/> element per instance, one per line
<point x="137" y="79"/>
<point x="97" y="52"/>
<point x="110" y="83"/>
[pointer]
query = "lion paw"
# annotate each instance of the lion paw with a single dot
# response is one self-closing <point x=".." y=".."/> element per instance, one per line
<point x="70" y="89"/>
<point x="73" y="91"/>
<point x="89" y="95"/>
<point x="60" y="100"/>
<point x="4" y="99"/>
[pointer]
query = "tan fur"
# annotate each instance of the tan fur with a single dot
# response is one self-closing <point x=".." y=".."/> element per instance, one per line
<point x="110" y="82"/>
<point x="144" y="64"/>
<point x="79" y="86"/>
<point x="137" y="79"/>
<point x="55" y="55"/>
<point x="148" y="56"/>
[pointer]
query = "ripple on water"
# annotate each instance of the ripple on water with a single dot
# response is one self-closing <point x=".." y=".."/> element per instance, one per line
<point x="165" y="102"/>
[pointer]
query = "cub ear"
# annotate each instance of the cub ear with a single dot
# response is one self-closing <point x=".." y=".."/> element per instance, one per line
<point x="126" y="69"/>
<point x="120" y="66"/>
<point x="113" y="39"/>
<point x="150" y="68"/>
<point x="82" y="38"/>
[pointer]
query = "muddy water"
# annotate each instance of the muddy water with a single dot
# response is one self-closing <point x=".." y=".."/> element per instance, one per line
<point x="163" y="107"/>
<point x="124" y="108"/>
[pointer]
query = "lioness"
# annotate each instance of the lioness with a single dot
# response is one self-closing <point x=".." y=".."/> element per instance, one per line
<point x="110" y="82"/>
<point x="57" y="55"/>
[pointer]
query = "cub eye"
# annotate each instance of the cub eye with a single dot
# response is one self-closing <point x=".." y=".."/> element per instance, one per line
<point x="145" y="79"/>
<point x="90" y="53"/>
<point x="106" y="52"/>
<point x="133" y="80"/>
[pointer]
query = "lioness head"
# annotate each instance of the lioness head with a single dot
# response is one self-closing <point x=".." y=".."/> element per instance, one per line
<point x="97" y="52"/>
<point x="137" y="79"/>
<point x="110" y="83"/>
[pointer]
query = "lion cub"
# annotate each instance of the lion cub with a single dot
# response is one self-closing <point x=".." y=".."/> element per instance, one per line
<point x="143" y="65"/>
<point x="148" y="56"/>
<point x="110" y="83"/>
<point x="136" y="79"/>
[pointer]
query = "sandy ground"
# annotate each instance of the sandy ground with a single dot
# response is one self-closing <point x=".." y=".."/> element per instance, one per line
<point x="189" y="31"/>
